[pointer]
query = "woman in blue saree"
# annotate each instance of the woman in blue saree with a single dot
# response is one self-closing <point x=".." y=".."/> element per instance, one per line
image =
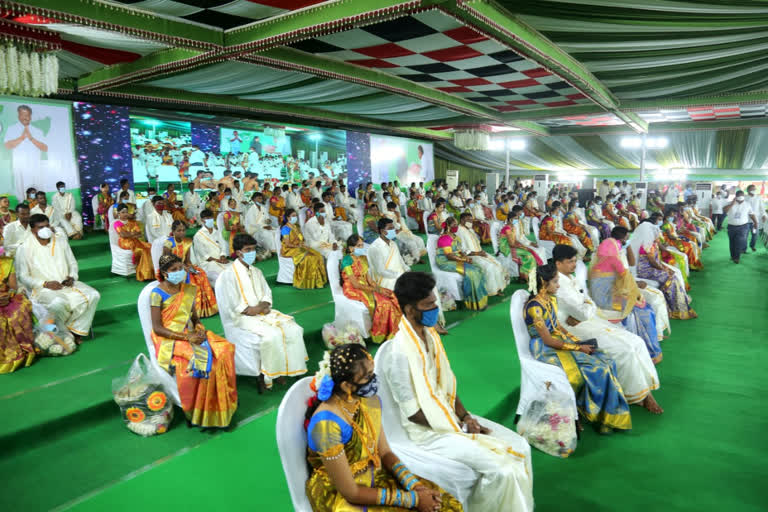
<point x="450" y="259"/>
<point x="591" y="373"/>
<point x="617" y="296"/>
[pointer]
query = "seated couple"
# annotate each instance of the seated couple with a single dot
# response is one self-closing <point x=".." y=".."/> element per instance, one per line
<point x="352" y="463"/>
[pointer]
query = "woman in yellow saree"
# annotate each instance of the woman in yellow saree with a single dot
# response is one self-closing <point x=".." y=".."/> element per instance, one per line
<point x="178" y="245"/>
<point x="353" y="467"/>
<point x="131" y="239"/>
<point x="357" y="285"/>
<point x="309" y="269"/>
<point x="177" y="212"/>
<point x="16" y="335"/>
<point x="232" y="224"/>
<point x="203" y="363"/>
<point x="105" y="202"/>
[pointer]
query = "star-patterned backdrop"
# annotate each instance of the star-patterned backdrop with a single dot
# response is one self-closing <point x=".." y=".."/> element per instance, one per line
<point x="358" y="160"/>
<point x="206" y="136"/>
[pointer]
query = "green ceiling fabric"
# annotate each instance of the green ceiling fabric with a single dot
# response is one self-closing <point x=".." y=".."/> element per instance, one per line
<point x="731" y="145"/>
<point x="610" y="155"/>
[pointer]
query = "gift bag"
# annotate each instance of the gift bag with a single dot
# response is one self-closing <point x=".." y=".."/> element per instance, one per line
<point x="51" y="338"/>
<point x="549" y="425"/>
<point x="334" y="337"/>
<point x="145" y="405"/>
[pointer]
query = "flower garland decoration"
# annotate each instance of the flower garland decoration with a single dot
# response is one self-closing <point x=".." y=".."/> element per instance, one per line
<point x="28" y="72"/>
<point x="322" y="383"/>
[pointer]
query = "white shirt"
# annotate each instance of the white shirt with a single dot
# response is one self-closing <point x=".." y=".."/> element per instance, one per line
<point x="196" y="158"/>
<point x="13" y="235"/>
<point x="738" y="215"/>
<point x="26" y="155"/>
<point x="717" y="205"/>
<point x="131" y="196"/>
<point x="671" y="196"/>
<point x="757" y="206"/>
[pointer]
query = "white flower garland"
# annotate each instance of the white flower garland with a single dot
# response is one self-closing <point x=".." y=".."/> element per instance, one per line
<point x="27" y="72"/>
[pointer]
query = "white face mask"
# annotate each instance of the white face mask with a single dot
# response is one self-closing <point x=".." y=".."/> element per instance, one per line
<point x="468" y="225"/>
<point x="740" y="199"/>
<point x="45" y="233"/>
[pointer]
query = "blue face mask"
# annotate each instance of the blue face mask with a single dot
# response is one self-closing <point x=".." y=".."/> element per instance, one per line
<point x="391" y="234"/>
<point x="671" y="220"/>
<point x="429" y="317"/>
<point x="370" y="389"/>
<point x="249" y="257"/>
<point x="62" y="189"/>
<point x="177" y="277"/>
<point x="361" y="251"/>
<point x="209" y="223"/>
<point x="659" y="223"/>
<point x="515" y="222"/>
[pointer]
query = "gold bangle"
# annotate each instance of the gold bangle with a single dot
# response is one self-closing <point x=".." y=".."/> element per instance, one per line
<point x="570" y="346"/>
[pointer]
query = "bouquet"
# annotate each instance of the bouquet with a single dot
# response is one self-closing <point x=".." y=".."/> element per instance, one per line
<point x="549" y="425"/>
<point x="333" y="337"/>
<point x="447" y="301"/>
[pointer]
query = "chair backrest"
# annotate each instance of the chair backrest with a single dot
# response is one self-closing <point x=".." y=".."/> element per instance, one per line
<point x="225" y="308"/>
<point x="157" y="251"/>
<point x="519" y="329"/>
<point x="302" y="217"/>
<point x="432" y="250"/>
<point x="390" y="417"/>
<point x="113" y="237"/>
<point x="495" y="230"/>
<point x="535" y="227"/>
<point x="581" y="275"/>
<point x="424" y="217"/>
<point x="220" y="222"/>
<point x="360" y="215"/>
<point x="292" y="441"/>
<point x="332" y="267"/>
<point x="145" y="318"/>
<point x="278" y="242"/>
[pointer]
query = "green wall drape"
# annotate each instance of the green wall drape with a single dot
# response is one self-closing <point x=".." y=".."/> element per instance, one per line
<point x="471" y="175"/>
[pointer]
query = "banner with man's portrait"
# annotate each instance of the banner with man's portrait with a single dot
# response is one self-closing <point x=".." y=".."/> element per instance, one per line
<point x="37" y="149"/>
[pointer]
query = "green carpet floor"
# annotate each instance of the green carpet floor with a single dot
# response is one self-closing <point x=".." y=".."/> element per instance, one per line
<point x="63" y="445"/>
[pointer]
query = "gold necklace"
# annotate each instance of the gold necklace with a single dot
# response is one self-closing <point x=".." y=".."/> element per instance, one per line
<point x="370" y="447"/>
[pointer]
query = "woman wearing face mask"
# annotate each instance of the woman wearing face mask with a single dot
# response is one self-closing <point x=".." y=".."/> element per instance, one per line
<point x="130" y="237"/>
<point x="179" y="245"/>
<point x="450" y="259"/>
<point x="370" y="223"/>
<point x="675" y="259"/>
<point x="309" y="266"/>
<point x="599" y="396"/>
<point x="352" y="464"/>
<point x="203" y="363"/>
<point x="651" y="266"/>
<point x="596" y="218"/>
<point x="550" y="230"/>
<point x="232" y="224"/>
<point x="531" y="207"/>
<point x="357" y="285"/>
<point x="437" y="218"/>
<point x="512" y="245"/>
<point x="690" y="249"/>
<point x="173" y="204"/>
<point x="573" y="226"/>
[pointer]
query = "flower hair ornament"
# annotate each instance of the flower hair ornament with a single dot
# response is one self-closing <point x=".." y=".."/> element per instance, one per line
<point x="532" y="285"/>
<point x="322" y="383"/>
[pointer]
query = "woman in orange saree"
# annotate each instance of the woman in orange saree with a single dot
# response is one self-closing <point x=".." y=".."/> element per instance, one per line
<point x="309" y="266"/>
<point x="203" y="363"/>
<point x="130" y="238"/>
<point x="17" y="347"/>
<point x="105" y="202"/>
<point x="671" y="238"/>
<point x="178" y="245"/>
<point x="572" y="224"/>
<point x="176" y="211"/>
<point x="548" y="231"/>
<point x="414" y="212"/>
<point x="277" y="204"/>
<point x="357" y="285"/>
<point x="232" y="224"/>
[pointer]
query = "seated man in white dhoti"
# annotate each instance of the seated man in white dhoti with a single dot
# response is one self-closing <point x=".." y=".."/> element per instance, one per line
<point x="207" y="248"/>
<point x="341" y="228"/>
<point x="144" y="212"/>
<point x="47" y="268"/>
<point x="293" y="198"/>
<point x="386" y="262"/>
<point x="277" y="337"/>
<point x="17" y="231"/>
<point x="418" y="372"/>
<point x="318" y="234"/>
<point x="497" y="277"/>
<point x="66" y="216"/>
<point x="193" y="205"/>
<point x="258" y="223"/>
<point x="43" y="208"/>
<point x="635" y="369"/>
<point x="158" y="220"/>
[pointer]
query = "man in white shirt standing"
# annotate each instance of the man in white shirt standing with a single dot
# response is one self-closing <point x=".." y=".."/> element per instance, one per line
<point x="758" y="208"/>
<point x="66" y="215"/>
<point x="717" y="210"/>
<point x="196" y="160"/>
<point x="739" y="215"/>
<point x="318" y="234"/>
<point x="26" y="144"/>
<point x="671" y="198"/>
<point x="234" y="143"/>
<point x="16" y="232"/>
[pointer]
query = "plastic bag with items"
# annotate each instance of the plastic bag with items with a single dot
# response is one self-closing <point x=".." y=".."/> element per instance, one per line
<point x="549" y="425"/>
<point x="333" y="337"/>
<point x="146" y="406"/>
<point x="51" y="337"/>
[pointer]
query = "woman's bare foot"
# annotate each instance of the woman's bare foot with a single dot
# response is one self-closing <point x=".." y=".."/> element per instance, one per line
<point x="651" y="404"/>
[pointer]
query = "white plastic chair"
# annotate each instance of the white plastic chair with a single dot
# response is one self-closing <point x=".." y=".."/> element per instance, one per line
<point x="547" y="245"/>
<point x="456" y="478"/>
<point x="424" y="217"/>
<point x="286" y="268"/>
<point x="495" y="230"/>
<point x="635" y="245"/>
<point x="534" y="375"/>
<point x="122" y="259"/>
<point x="292" y="441"/>
<point x="247" y="344"/>
<point x="581" y="276"/>
<point x="145" y="318"/>
<point x="360" y="215"/>
<point x="450" y="282"/>
<point x="347" y="311"/>
<point x="302" y="218"/>
<point x="157" y="251"/>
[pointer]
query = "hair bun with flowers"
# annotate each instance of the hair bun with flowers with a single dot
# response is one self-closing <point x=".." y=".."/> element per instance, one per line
<point x="322" y="384"/>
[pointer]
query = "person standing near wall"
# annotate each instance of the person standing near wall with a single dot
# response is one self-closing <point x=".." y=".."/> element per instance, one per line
<point x="758" y="209"/>
<point x="717" y="210"/>
<point x="739" y="214"/>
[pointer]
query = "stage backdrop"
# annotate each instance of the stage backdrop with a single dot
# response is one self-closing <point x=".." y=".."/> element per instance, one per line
<point x="264" y="145"/>
<point x="103" y="137"/>
<point x="206" y="137"/>
<point x="38" y="148"/>
<point x="405" y="160"/>
<point x="358" y="160"/>
<point x="154" y="137"/>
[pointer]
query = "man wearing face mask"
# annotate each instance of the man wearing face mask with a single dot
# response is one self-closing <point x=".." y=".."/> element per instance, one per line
<point x="207" y="244"/>
<point x="496" y="276"/>
<point x="46" y="266"/>
<point x="67" y="217"/>
<point x="434" y="416"/>
<point x="193" y="205"/>
<point x="318" y="234"/>
<point x="293" y="199"/>
<point x="276" y="336"/>
<point x="258" y="224"/>
<point x="386" y="262"/>
<point x="740" y="218"/>
<point x="758" y="208"/>
<point x="341" y="228"/>
<point x="17" y="231"/>
<point x="159" y="221"/>
<point x="717" y="210"/>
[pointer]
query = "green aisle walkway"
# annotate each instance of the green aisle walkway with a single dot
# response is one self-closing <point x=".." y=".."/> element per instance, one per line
<point x="63" y="446"/>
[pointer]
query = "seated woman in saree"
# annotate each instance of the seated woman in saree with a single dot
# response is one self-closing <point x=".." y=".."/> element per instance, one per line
<point x="179" y="245"/>
<point x="309" y="265"/>
<point x="17" y="349"/>
<point x="512" y="250"/>
<point x="480" y="224"/>
<point x="671" y="237"/>
<point x="357" y="285"/>
<point x="413" y="210"/>
<point x="573" y="226"/>
<point x="174" y="204"/>
<point x="104" y="203"/>
<point x="203" y="363"/>
<point x="610" y="212"/>
<point x="692" y="226"/>
<point x="621" y="209"/>
<point x="531" y="206"/>
<point x="618" y="297"/>
<point x="669" y="254"/>
<point x="450" y="259"/>
<point x="352" y="466"/>
<point x="596" y="218"/>
<point x="502" y="209"/>
<point x="436" y="219"/>
<point x="131" y="238"/>
<point x="233" y="224"/>
<point x="551" y="229"/>
<point x="370" y="223"/>
<point x="650" y="266"/>
<point x="591" y="373"/>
